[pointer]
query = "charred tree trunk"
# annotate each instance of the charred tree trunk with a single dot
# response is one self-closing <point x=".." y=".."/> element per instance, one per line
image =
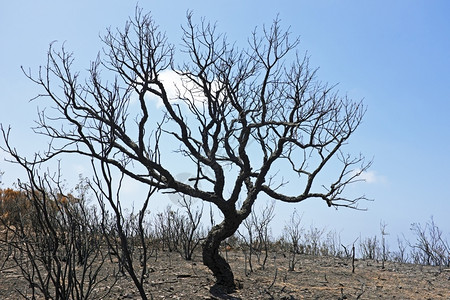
<point x="212" y="258"/>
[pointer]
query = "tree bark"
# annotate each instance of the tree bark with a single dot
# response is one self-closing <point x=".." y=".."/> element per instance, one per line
<point x="212" y="258"/>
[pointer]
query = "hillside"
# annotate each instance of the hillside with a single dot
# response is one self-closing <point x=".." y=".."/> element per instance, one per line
<point x="315" y="277"/>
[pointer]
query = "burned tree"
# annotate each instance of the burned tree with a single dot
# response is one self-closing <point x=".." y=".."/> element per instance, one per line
<point x="54" y="240"/>
<point x="238" y="117"/>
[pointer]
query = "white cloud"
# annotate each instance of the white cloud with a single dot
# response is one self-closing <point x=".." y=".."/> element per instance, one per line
<point x="177" y="86"/>
<point x="172" y="82"/>
<point x="371" y="177"/>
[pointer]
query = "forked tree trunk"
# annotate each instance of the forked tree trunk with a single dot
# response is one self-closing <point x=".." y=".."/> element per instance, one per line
<point x="213" y="260"/>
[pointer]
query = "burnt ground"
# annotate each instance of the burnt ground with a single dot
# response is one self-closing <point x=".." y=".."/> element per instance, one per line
<point x="314" y="278"/>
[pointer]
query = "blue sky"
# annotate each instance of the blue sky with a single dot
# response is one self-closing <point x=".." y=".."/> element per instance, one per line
<point x="394" y="54"/>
